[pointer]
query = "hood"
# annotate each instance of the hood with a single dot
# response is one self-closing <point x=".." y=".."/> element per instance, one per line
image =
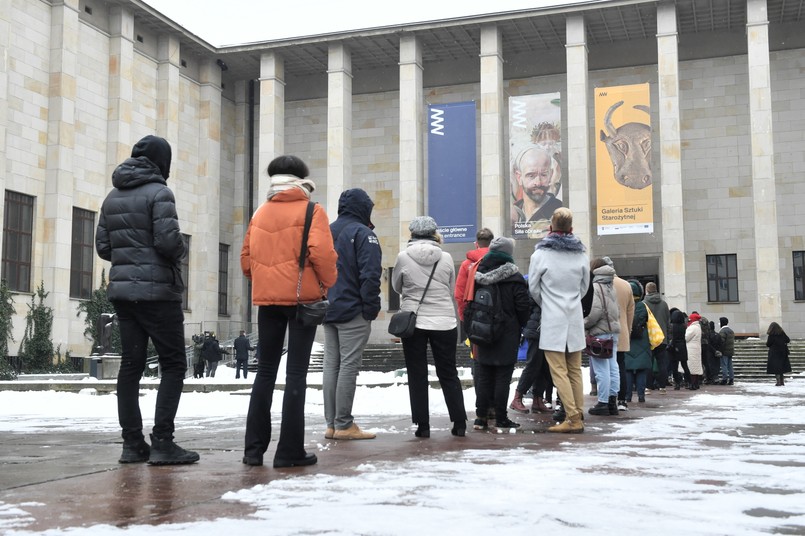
<point x="475" y="255"/>
<point x="496" y="275"/>
<point x="603" y="274"/>
<point x="356" y="202"/>
<point x="134" y="172"/>
<point x="678" y="317"/>
<point x="654" y="297"/>
<point x="155" y="149"/>
<point x="423" y="251"/>
<point x="561" y="242"/>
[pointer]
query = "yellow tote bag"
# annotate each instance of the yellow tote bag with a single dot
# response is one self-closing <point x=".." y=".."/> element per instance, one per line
<point x="655" y="335"/>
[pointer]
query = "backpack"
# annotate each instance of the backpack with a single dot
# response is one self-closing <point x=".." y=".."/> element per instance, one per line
<point x="483" y="318"/>
<point x="715" y="340"/>
<point x="706" y="331"/>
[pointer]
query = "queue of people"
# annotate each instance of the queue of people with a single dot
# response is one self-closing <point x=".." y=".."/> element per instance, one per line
<point x="305" y="271"/>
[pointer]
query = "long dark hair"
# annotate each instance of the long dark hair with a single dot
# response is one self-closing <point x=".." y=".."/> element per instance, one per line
<point x="775" y="329"/>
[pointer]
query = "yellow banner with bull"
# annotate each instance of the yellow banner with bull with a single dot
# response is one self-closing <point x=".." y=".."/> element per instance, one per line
<point x="623" y="164"/>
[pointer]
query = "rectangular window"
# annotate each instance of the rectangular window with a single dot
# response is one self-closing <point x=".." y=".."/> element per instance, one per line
<point x="18" y="239"/>
<point x="393" y="297"/>
<point x="223" y="278"/>
<point x="186" y="273"/>
<point x="722" y="278"/>
<point x="799" y="275"/>
<point x="82" y="254"/>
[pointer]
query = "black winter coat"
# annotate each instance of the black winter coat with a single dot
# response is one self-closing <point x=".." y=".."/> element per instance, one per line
<point x="138" y="230"/>
<point x="677" y="346"/>
<point x="513" y="297"/>
<point x="778" y="361"/>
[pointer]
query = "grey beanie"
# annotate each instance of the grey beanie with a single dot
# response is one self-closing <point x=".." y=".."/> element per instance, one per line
<point x="422" y="227"/>
<point x="502" y="244"/>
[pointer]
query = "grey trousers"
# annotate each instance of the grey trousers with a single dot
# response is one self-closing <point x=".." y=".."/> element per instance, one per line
<point x="343" y="353"/>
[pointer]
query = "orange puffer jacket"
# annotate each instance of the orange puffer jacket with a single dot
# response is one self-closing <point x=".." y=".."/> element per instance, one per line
<point x="270" y="253"/>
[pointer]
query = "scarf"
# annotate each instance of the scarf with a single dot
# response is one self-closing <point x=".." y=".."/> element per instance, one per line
<point x="280" y="183"/>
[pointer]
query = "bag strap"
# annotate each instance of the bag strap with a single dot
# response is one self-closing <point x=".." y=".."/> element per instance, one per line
<point x="430" y="278"/>
<point x="604" y="305"/>
<point x="303" y="251"/>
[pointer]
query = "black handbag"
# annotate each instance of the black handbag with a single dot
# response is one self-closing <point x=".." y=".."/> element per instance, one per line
<point x="597" y="347"/>
<point x="403" y="323"/>
<point x="312" y="313"/>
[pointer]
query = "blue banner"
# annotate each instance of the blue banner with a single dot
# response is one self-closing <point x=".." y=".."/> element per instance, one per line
<point x="452" y="170"/>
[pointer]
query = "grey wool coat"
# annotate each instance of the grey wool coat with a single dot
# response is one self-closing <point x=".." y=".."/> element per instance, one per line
<point x="597" y="322"/>
<point x="558" y="277"/>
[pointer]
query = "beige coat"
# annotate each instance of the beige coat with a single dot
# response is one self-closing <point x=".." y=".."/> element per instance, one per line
<point x="623" y="292"/>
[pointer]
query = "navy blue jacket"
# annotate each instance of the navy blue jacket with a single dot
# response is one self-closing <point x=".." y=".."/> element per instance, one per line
<point x="357" y="289"/>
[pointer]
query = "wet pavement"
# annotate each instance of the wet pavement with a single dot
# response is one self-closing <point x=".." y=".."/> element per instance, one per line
<point x="73" y="479"/>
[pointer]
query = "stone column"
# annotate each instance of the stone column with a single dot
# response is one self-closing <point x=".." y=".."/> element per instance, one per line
<point x="5" y="32"/>
<point x="56" y="235"/>
<point x="673" y="283"/>
<point x="412" y="174"/>
<point x="272" y="119"/>
<point x="493" y="190"/>
<point x="121" y="89"/>
<point x="339" y="125"/>
<point x="169" y="58"/>
<point x="241" y="212"/>
<point x="764" y="190"/>
<point x="578" y="129"/>
<point x="204" y="260"/>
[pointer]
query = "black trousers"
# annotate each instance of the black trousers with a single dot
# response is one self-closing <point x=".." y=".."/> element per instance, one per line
<point x="241" y="364"/>
<point x="443" y="347"/>
<point x="622" y="394"/>
<point x="534" y="364"/>
<point x="493" y="386"/>
<point x="272" y="322"/>
<point x="163" y="323"/>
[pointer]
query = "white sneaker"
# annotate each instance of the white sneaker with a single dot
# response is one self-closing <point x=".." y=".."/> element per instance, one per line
<point x="622" y="406"/>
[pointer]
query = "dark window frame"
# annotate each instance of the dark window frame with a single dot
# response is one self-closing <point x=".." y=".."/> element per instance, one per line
<point x="18" y="241"/>
<point x="185" y="263"/>
<point x="798" y="263"/>
<point x="82" y="254"/>
<point x="223" y="279"/>
<point x="722" y="278"/>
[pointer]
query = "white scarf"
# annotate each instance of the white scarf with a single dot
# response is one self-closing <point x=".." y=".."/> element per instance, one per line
<point x="281" y="183"/>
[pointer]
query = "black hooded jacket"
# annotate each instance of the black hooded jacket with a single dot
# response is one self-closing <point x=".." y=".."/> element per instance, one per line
<point x="357" y="289"/>
<point x="138" y="229"/>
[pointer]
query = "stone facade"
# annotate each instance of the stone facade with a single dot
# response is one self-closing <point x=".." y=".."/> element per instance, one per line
<point x="69" y="115"/>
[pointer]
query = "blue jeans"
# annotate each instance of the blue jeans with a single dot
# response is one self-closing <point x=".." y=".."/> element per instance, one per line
<point x="607" y="373"/>
<point x="727" y="373"/>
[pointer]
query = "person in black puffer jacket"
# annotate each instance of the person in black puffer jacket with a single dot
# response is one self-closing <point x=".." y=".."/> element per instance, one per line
<point x="496" y="361"/>
<point x="677" y="349"/>
<point x="138" y="231"/>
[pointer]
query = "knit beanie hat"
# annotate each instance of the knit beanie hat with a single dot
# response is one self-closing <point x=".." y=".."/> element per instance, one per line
<point x="637" y="288"/>
<point x="422" y="227"/>
<point x="503" y="245"/>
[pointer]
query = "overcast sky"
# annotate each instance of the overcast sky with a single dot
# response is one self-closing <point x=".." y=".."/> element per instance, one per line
<point x="246" y="21"/>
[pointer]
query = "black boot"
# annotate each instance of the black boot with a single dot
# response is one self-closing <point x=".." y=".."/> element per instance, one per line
<point x="612" y="405"/>
<point x="423" y="430"/>
<point x="459" y="429"/>
<point x="559" y="414"/>
<point x="601" y="408"/>
<point x="506" y="423"/>
<point x="166" y="452"/>
<point x="135" y="452"/>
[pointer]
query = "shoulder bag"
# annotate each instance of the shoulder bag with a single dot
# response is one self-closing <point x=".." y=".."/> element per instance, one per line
<point x="403" y="323"/>
<point x="596" y="346"/>
<point x="309" y="314"/>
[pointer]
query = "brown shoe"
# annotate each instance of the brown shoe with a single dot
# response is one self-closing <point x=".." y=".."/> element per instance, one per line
<point x="329" y="433"/>
<point x="353" y="432"/>
<point x="572" y="425"/>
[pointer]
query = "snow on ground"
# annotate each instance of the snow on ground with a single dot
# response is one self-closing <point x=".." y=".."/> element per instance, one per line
<point x="734" y="468"/>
